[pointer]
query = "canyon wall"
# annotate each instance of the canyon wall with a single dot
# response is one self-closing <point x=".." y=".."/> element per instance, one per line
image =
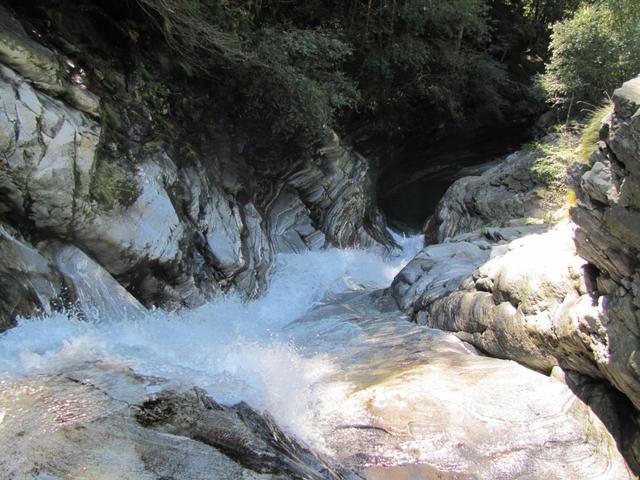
<point x="159" y="222"/>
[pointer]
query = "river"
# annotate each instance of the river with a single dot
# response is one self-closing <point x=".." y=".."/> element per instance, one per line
<point x="335" y="363"/>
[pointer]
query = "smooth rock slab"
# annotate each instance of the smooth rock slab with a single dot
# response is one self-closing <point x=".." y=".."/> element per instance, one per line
<point x="103" y="421"/>
<point x="421" y="397"/>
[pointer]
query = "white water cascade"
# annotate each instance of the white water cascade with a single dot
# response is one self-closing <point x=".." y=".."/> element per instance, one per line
<point x="233" y="349"/>
<point x="342" y="370"/>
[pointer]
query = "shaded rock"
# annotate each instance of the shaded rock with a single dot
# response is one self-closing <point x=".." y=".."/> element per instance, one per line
<point x="223" y="227"/>
<point x="28" y="281"/>
<point x="251" y="439"/>
<point x="337" y="188"/>
<point x="598" y="184"/>
<point x="506" y="195"/>
<point x="260" y="254"/>
<point x="291" y="227"/>
<point x="173" y="224"/>
<point x="34" y="61"/>
<point x="40" y="65"/>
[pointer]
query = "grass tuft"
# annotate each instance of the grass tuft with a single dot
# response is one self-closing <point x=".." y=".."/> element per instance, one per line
<point x="591" y="132"/>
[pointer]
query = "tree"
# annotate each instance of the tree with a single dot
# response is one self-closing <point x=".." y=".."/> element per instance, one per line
<point x="593" y="52"/>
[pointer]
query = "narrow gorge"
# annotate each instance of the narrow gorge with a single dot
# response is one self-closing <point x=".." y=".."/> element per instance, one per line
<point x="191" y="290"/>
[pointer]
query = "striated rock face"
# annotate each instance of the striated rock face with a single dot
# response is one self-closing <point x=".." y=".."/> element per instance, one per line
<point x="608" y="217"/>
<point x="567" y="297"/>
<point x="172" y="226"/>
<point x="507" y="194"/>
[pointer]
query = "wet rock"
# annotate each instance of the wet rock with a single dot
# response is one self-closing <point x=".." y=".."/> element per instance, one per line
<point x="28" y="282"/>
<point x="34" y="61"/>
<point x="97" y="420"/>
<point x="251" y="439"/>
<point x="421" y="401"/>
<point x="95" y="293"/>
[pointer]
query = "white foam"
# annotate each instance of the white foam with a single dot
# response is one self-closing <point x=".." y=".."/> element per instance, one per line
<point x="229" y="347"/>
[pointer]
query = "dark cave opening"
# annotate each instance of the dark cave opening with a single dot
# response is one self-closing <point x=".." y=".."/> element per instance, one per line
<point x="410" y="188"/>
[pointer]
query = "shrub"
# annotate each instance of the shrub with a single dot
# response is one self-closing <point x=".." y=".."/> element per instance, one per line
<point x="548" y="171"/>
<point x="593" y="52"/>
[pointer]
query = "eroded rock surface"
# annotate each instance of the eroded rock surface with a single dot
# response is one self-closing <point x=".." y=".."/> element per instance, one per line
<point x="101" y="421"/>
<point x="424" y="404"/>
<point x="508" y="194"/>
<point x="566" y="297"/>
<point x="173" y="224"/>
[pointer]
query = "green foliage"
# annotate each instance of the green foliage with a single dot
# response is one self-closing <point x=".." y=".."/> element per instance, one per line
<point x="400" y="65"/>
<point x="593" y="52"/>
<point x="549" y="172"/>
<point x="156" y="96"/>
<point x="591" y="131"/>
<point x="111" y="186"/>
<point x="310" y="87"/>
<point x="552" y="160"/>
<point x="432" y="56"/>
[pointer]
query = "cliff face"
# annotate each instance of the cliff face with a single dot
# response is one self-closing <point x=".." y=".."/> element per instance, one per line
<point x="547" y="297"/>
<point x="173" y="222"/>
<point x="608" y="217"/>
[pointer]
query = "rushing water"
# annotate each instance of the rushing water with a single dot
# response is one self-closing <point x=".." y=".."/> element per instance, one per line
<point x="235" y="350"/>
<point x="336" y="365"/>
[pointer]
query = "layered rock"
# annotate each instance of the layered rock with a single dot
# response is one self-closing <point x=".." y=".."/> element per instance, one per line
<point x="507" y="194"/>
<point x="566" y="297"/>
<point x="608" y="216"/>
<point x="172" y="225"/>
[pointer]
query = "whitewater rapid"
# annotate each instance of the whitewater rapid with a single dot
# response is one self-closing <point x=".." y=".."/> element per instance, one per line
<point x="236" y="350"/>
